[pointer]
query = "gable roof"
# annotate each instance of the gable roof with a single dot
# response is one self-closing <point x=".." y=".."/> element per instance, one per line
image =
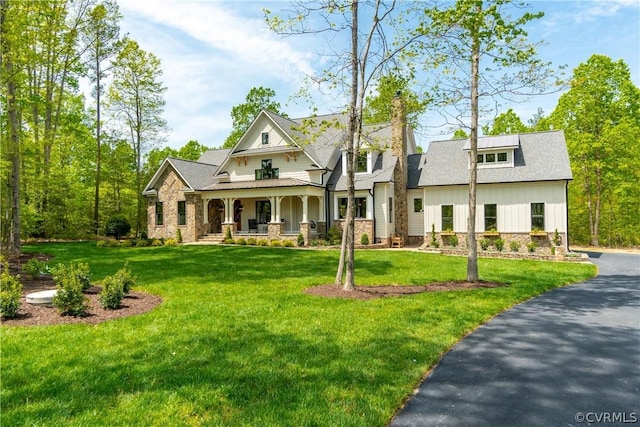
<point x="195" y="175"/>
<point x="382" y="171"/>
<point x="539" y="156"/>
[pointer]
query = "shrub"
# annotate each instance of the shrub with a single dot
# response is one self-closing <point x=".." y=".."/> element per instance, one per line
<point x="156" y="242"/>
<point x="108" y="243"/>
<point x="288" y="244"/>
<point x="229" y="241"/>
<point x="227" y="234"/>
<point x="63" y="273"/>
<point x="117" y="227"/>
<point x="364" y="239"/>
<point x="499" y="244"/>
<point x="69" y="298"/>
<point x="126" y="243"/>
<point x="334" y="235"/>
<point x="300" y="239"/>
<point x="101" y="243"/>
<point x="276" y="243"/>
<point x="252" y="241"/>
<point x="10" y="293"/>
<point x="434" y="240"/>
<point x="178" y="236"/>
<point x="453" y="240"/>
<point x="34" y="267"/>
<point x="241" y="241"/>
<point x="557" y="240"/>
<point x="263" y="242"/>
<point x="170" y="242"/>
<point x="314" y="243"/>
<point x="124" y="276"/>
<point x="531" y="246"/>
<point x="484" y="243"/>
<point x="112" y="293"/>
<point x="514" y="245"/>
<point x="143" y="243"/>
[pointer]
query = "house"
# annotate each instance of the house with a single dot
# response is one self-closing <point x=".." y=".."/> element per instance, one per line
<point x="286" y="177"/>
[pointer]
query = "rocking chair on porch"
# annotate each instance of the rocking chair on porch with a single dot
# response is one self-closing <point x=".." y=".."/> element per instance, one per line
<point x="253" y="226"/>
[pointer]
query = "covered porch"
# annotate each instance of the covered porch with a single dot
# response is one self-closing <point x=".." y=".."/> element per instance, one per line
<point x="278" y="213"/>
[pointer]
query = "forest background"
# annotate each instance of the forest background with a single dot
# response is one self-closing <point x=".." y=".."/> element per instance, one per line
<point x="74" y="159"/>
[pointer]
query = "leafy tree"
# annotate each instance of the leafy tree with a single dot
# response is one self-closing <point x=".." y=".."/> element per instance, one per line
<point x="475" y="49"/>
<point x="136" y="98"/>
<point x="101" y="35"/>
<point x="600" y="115"/>
<point x="378" y="107"/>
<point x="192" y="150"/>
<point x="505" y="124"/>
<point x="258" y="99"/>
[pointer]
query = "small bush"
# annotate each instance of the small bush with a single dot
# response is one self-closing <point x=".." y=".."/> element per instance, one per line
<point x="117" y="227"/>
<point x="364" y="239"/>
<point x="252" y="241"/>
<point x="10" y="293"/>
<point x="229" y="241"/>
<point x="276" y="243"/>
<point x="126" y="243"/>
<point x="314" y="243"/>
<point x="557" y="240"/>
<point x="514" y="245"/>
<point x="124" y="276"/>
<point x="300" y="239"/>
<point x="241" y="241"/>
<point x="227" y="234"/>
<point x="101" y="243"/>
<point x="108" y="243"/>
<point x="63" y="273"/>
<point x="531" y="246"/>
<point x="170" y="242"/>
<point x="499" y="244"/>
<point x="453" y="240"/>
<point x="434" y="240"/>
<point x="178" y="236"/>
<point x="143" y="243"/>
<point x="288" y="244"/>
<point x="263" y="242"/>
<point x="484" y="243"/>
<point x="112" y="293"/>
<point x="69" y="298"/>
<point x="157" y="242"/>
<point x="334" y="235"/>
<point x="34" y="267"/>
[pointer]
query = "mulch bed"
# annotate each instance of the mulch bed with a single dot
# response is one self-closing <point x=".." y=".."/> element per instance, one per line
<point x="28" y="314"/>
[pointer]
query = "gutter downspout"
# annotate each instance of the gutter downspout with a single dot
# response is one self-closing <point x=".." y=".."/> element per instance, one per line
<point x="373" y="203"/>
<point x="566" y="204"/>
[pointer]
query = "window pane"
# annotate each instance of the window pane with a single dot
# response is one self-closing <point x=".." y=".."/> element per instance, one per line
<point x="502" y="157"/>
<point x="361" y="207"/>
<point x="391" y="209"/>
<point x="537" y="216"/>
<point x="361" y="164"/>
<point x="490" y="217"/>
<point x="447" y="217"/>
<point x="491" y="158"/>
<point x="480" y="158"/>
<point x="417" y="205"/>
<point x="182" y="213"/>
<point x="159" y="214"/>
<point x="265" y="137"/>
<point x="342" y="208"/>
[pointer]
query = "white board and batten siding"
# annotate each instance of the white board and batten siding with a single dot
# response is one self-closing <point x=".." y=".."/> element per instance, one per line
<point x="238" y="171"/>
<point x="513" y="205"/>
<point x="384" y="225"/>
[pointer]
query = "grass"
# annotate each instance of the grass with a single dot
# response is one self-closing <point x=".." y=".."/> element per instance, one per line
<point x="237" y="342"/>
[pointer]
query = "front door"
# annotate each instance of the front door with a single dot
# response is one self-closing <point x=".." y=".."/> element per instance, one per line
<point x="216" y="212"/>
<point x="237" y="214"/>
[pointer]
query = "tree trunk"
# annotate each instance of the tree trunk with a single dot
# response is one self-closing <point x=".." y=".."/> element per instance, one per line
<point x="96" y="200"/>
<point x="472" y="259"/>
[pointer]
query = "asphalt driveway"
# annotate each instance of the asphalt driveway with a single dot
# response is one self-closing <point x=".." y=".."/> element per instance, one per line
<point x="570" y="357"/>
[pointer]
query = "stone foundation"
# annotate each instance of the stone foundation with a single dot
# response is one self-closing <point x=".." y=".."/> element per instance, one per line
<point x="544" y="244"/>
<point x="361" y="226"/>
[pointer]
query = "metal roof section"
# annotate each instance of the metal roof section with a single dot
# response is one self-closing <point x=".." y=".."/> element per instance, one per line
<point x="265" y="183"/>
<point x="494" y="142"/>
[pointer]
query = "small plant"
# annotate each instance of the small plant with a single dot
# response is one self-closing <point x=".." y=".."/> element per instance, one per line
<point x="364" y="240"/>
<point x="514" y="245"/>
<point x="314" y="243"/>
<point x="453" y="241"/>
<point x="156" y="242"/>
<point x="241" y="241"/>
<point x="499" y="244"/>
<point x="143" y="243"/>
<point x="557" y="240"/>
<point x="553" y="250"/>
<point x="170" y="242"/>
<point x="179" y="236"/>
<point x="63" y="273"/>
<point x="288" y="244"/>
<point x="34" y="268"/>
<point x="124" y="276"/>
<point x="334" y="235"/>
<point x="434" y="240"/>
<point x="227" y="234"/>
<point x="117" y="227"/>
<point x="251" y="241"/>
<point x="531" y="246"/>
<point x="229" y="241"/>
<point x="10" y="293"/>
<point x="484" y="243"/>
<point x="276" y="243"/>
<point x="126" y="243"/>
<point x="300" y="239"/>
<point x="69" y="298"/>
<point x="112" y="293"/>
<point x="263" y="242"/>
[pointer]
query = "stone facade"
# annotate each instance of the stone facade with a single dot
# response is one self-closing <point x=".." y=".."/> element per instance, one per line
<point x="169" y="194"/>
<point x="544" y="242"/>
<point x="361" y="226"/>
<point x="400" y="177"/>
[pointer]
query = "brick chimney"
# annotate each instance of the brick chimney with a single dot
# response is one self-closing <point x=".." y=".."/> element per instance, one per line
<point x="399" y="149"/>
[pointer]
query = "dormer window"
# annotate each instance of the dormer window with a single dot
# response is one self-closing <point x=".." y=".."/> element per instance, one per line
<point x="265" y="138"/>
<point x="267" y="171"/>
<point x="502" y="157"/>
<point x="361" y="163"/>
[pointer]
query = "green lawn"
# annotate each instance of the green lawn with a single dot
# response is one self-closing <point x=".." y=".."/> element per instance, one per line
<point x="237" y="342"/>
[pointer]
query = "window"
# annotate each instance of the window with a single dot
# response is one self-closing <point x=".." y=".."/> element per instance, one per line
<point x="182" y="213"/>
<point x="480" y="158"/>
<point x="447" y="217"/>
<point x="490" y="217"/>
<point x="391" y="209"/>
<point x="265" y="138"/>
<point x="490" y="157"/>
<point x="361" y="162"/>
<point x="537" y="216"/>
<point x="267" y="172"/>
<point x="159" y="214"/>
<point x="263" y="211"/>
<point x="417" y="205"/>
<point x="360" y="207"/>
<point x="502" y="157"/>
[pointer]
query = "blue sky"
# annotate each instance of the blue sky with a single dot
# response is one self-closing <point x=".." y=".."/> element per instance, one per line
<point x="214" y="52"/>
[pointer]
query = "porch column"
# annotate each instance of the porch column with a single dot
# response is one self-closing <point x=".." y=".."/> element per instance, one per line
<point x="370" y="206"/>
<point x="205" y="213"/>
<point x="228" y="210"/>
<point x="323" y="209"/>
<point x="305" y="208"/>
<point x="272" y="201"/>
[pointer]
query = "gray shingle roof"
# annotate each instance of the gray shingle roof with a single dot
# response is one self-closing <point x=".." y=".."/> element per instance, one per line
<point x="197" y="175"/>
<point x="540" y="156"/>
<point x="214" y="157"/>
<point x="382" y="172"/>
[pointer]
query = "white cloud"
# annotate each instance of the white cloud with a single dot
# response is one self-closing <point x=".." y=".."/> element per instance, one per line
<point x="591" y="11"/>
